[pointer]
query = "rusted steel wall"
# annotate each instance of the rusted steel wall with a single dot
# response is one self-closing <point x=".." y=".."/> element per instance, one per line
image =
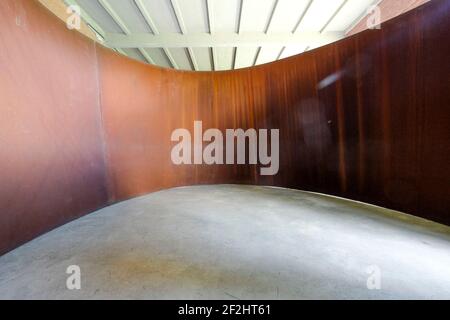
<point x="366" y="118"/>
<point x="52" y="167"/>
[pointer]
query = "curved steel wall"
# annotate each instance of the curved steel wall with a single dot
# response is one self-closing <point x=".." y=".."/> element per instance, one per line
<point x="366" y="118"/>
<point x="52" y="167"/>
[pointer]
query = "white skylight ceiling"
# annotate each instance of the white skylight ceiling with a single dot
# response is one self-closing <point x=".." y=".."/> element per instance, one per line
<point x="208" y="35"/>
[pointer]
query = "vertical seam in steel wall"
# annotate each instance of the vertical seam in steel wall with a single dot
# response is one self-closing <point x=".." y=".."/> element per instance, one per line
<point x="110" y="194"/>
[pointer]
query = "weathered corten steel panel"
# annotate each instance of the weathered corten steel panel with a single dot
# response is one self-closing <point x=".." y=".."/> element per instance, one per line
<point x="52" y="167"/>
<point x="366" y="118"/>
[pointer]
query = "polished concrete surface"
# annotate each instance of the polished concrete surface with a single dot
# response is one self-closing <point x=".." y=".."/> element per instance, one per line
<point x="235" y="242"/>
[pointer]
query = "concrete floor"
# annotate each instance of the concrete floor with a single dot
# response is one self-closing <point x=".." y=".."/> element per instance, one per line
<point x="234" y="242"/>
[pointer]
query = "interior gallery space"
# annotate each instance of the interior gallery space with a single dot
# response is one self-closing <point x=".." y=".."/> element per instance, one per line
<point x="224" y="149"/>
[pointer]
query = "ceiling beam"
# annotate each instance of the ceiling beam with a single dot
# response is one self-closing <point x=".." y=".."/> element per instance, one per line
<point x="247" y="39"/>
<point x="302" y="16"/>
<point x="210" y="10"/>
<point x="241" y="9"/>
<point x="272" y="13"/>
<point x="107" y="6"/>
<point x="281" y="52"/>
<point x="267" y="29"/>
<point x="147" y="17"/>
<point x="182" y="25"/>
<point x="334" y="15"/>
<point x="235" y="51"/>
<point x="308" y="6"/>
